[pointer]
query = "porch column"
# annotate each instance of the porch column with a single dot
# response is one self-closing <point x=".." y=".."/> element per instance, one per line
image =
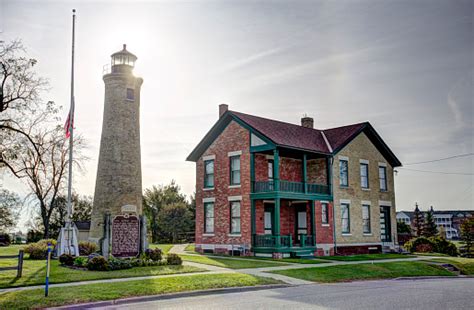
<point x="329" y="161"/>
<point x="305" y="174"/>
<point x="313" y="222"/>
<point x="276" y="221"/>
<point x="276" y="169"/>
<point x="253" y="218"/>
<point x="252" y="172"/>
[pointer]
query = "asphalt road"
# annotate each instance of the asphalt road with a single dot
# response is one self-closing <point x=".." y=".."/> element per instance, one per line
<point x="387" y="294"/>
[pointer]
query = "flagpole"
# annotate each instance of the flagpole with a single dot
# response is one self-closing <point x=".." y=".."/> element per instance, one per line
<point x="71" y="140"/>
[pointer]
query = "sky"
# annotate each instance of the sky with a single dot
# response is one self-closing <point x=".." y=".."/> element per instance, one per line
<point x="405" y="66"/>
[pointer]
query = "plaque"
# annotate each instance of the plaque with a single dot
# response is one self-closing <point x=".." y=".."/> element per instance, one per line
<point x="125" y="236"/>
<point x="129" y="209"/>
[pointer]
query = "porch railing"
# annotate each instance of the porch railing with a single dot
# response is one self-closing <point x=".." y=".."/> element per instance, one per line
<point x="306" y="240"/>
<point x="270" y="241"/>
<point x="290" y="187"/>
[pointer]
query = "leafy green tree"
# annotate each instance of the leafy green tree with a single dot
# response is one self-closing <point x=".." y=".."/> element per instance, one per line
<point x="154" y="200"/>
<point x="467" y="233"/>
<point x="9" y="209"/>
<point x="430" y="229"/>
<point x="175" y="219"/>
<point x="81" y="211"/>
<point x="418" y="221"/>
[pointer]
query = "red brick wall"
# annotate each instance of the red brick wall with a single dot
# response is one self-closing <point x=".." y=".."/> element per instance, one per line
<point x="291" y="169"/>
<point x="261" y="167"/>
<point x="317" y="171"/>
<point x="324" y="233"/>
<point x="233" y="138"/>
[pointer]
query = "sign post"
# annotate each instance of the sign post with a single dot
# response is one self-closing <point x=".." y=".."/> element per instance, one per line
<point x="48" y="264"/>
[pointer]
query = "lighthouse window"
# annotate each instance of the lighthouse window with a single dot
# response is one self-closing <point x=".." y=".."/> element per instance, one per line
<point x="130" y="94"/>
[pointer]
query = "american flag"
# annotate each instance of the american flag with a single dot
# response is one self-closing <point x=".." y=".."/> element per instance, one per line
<point x="69" y="125"/>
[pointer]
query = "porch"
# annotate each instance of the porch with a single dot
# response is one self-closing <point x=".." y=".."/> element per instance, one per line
<point x="284" y="228"/>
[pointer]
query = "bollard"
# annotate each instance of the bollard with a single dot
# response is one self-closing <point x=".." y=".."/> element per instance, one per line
<point x="48" y="264"/>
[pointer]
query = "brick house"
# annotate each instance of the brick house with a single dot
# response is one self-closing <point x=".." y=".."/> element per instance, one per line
<point x="269" y="188"/>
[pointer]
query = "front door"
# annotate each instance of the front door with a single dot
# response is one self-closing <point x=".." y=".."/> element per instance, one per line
<point x="301" y="222"/>
<point x="385" y="225"/>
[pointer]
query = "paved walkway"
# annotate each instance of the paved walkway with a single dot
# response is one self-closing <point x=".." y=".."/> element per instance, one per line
<point x="261" y="272"/>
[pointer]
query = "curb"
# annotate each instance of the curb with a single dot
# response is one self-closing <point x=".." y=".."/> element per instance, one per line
<point x="124" y="301"/>
<point x="434" y="278"/>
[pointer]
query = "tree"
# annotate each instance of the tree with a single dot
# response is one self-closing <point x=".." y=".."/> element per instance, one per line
<point x="154" y="199"/>
<point x="21" y="109"/>
<point x="174" y="219"/>
<point x="81" y="211"/>
<point x="9" y="207"/>
<point x="418" y="221"/>
<point x="44" y="169"/>
<point x="430" y="229"/>
<point x="467" y="233"/>
<point x="403" y="228"/>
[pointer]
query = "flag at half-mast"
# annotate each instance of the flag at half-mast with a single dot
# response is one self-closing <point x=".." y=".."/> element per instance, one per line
<point x="68" y="126"/>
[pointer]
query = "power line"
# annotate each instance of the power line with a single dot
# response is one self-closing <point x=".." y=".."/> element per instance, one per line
<point x="437" y="172"/>
<point x="446" y="158"/>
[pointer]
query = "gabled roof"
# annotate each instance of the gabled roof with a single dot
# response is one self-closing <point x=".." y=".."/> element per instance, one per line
<point x="327" y="141"/>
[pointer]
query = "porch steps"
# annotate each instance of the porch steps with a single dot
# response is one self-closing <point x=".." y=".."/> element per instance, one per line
<point x="302" y="254"/>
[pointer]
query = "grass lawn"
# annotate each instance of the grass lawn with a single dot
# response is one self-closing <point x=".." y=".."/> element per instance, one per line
<point x="344" y="273"/>
<point x="107" y="291"/>
<point x="281" y="260"/>
<point x="190" y="248"/>
<point x="165" y="248"/>
<point x="360" y="257"/>
<point x="431" y="254"/>
<point x="229" y="263"/>
<point x="466" y="265"/>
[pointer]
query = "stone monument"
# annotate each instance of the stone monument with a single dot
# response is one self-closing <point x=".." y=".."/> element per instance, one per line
<point x="117" y="219"/>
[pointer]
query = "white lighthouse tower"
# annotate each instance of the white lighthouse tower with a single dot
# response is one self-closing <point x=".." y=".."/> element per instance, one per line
<point x="118" y="187"/>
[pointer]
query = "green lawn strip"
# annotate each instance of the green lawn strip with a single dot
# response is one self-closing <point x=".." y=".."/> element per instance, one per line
<point x="190" y="248"/>
<point x="165" y="248"/>
<point x="280" y="260"/>
<point x="342" y="273"/>
<point x="465" y="265"/>
<point x="108" y="291"/>
<point x="431" y="254"/>
<point x="361" y="257"/>
<point x="229" y="262"/>
<point x="11" y="249"/>
<point x="34" y="273"/>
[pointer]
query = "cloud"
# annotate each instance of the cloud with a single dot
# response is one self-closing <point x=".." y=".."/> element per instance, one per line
<point x="250" y="59"/>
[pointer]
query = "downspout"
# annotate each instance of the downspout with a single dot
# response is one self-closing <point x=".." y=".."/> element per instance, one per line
<point x="334" y="235"/>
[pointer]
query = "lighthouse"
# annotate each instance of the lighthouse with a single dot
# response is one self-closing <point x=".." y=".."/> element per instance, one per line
<point x="118" y="187"/>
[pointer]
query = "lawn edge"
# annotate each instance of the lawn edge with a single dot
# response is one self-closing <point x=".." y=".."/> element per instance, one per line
<point x="146" y="298"/>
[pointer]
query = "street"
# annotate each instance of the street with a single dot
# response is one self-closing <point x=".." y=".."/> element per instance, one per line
<point x="385" y="294"/>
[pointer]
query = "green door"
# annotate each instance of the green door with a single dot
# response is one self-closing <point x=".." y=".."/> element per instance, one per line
<point x="385" y="225"/>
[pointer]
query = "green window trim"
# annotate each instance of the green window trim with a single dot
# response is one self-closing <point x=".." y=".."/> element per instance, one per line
<point x="235" y="217"/>
<point x="209" y="173"/>
<point x="234" y="164"/>
<point x="364" y="175"/>
<point x="343" y="173"/>
<point x="366" y="225"/>
<point x="208" y="217"/>
<point x="345" y="218"/>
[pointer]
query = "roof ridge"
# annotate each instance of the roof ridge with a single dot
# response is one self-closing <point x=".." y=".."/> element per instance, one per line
<point x="274" y="120"/>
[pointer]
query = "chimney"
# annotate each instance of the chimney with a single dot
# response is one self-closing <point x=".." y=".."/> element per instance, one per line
<point x="307" y="122"/>
<point x="222" y="109"/>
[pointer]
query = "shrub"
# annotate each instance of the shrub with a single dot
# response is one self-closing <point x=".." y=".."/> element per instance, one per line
<point x="39" y="250"/>
<point x="5" y="239"/>
<point x="414" y="244"/>
<point x="154" y="254"/>
<point x="118" y="264"/>
<point x="87" y="248"/>
<point x="424" y="248"/>
<point x="66" y="259"/>
<point x="98" y="263"/>
<point x="441" y="245"/>
<point x="174" y="259"/>
<point x="80" y="261"/>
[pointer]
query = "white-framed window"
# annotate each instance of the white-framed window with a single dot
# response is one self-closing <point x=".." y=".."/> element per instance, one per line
<point x="235" y="217"/>
<point x="364" y="175"/>
<point x="209" y="217"/>
<point x="345" y="218"/>
<point x="383" y="178"/>
<point x="234" y="170"/>
<point x="324" y="213"/>
<point x="270" y="169"/>
<point x="366" y="219"/>
<point x="343" y="172"/>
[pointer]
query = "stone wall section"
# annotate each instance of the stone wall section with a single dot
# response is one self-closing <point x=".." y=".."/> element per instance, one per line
<point x="362" y="148"/>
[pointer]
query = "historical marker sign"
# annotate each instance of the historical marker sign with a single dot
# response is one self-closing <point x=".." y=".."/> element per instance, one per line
<point x="125" y="236"/>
